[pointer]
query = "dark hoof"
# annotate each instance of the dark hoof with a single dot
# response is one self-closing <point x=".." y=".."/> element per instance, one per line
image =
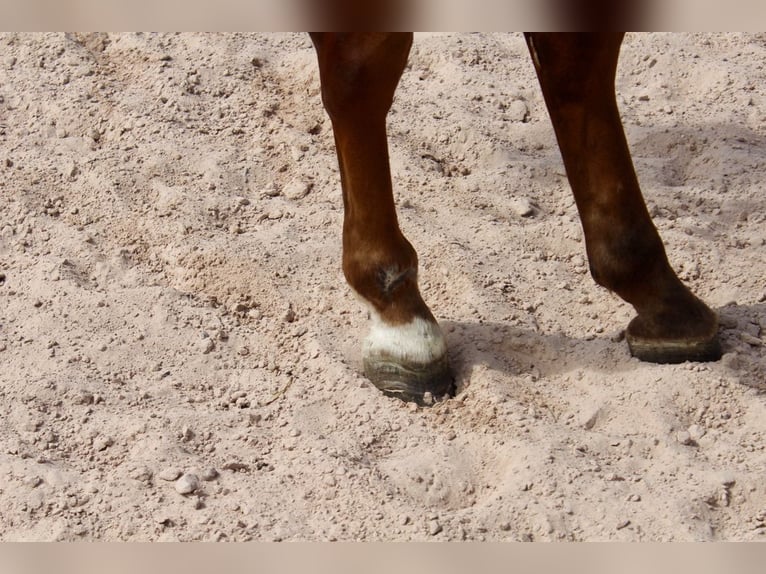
<point x="674" y="350"/>
<point x="422" y="384"/>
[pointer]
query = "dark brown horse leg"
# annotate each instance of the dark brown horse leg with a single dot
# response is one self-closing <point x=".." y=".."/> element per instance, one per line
<point x="405" y="353"/>
<point x="626" y="254"/>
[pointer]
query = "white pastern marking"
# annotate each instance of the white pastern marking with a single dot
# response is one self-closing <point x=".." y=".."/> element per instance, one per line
<point x="419" y="341"/>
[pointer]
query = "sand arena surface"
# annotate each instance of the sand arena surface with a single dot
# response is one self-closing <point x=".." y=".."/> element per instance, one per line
<point x="173" y="317"/>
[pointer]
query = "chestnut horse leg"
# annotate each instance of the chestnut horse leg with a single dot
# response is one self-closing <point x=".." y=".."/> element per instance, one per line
<point x="405" y="354"/>
<point x="626" y="254"/>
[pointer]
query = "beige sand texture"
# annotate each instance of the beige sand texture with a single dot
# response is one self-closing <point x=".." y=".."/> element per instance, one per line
<point x="180" y="355"/>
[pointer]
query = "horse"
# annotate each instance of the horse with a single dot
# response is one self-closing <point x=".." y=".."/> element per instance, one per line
<point x="405" y="354"/>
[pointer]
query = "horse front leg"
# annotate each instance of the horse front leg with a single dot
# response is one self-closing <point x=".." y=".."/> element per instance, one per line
<point x="626" y="254"/>
<point x="405" y="353"/>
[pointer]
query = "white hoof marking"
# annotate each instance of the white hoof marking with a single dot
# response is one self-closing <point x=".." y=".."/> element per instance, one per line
<point x="419" y="341"/>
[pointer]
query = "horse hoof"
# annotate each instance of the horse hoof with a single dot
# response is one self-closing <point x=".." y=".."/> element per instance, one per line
<point x="676" y="350"/>
<point x="408" y="361"/>
<point x="419" y="383"/>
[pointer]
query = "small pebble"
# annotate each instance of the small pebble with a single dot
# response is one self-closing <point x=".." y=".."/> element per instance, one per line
<point x="103" y="442"/>
<point x="751" y="340"/>
<point x="186" y="434"/>
<point x="235" y="466"/>
<point x="272" y="190"/>
<point x="207" y="345"/>
<point x="591" y="421"/>
<point x="696" y="432"/>
<point x="34" y="481"/>
<point x="517" y="111"/>
<point x="209" y="474"/>
<point x="523" y="207"/>
<point x="32" y="425"/>
<point x="142" y="473"/>
<point x="434" y="528"/>
<point x="623" y="524"/>
<point x="255" y="314"/>
<point x="296" y="190"/>
<point x="330" y="481"/>
<point x="169" y="474"/>
<point x="684" y="438"/>
<point x="187" y="484"/>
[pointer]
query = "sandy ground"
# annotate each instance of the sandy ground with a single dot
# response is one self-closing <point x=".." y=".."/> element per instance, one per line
<point x="171" y="300"/>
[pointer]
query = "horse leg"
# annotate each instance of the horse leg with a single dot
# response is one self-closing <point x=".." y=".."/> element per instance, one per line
<point x="404" y="354"/>
<point x="626" y="254"/>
